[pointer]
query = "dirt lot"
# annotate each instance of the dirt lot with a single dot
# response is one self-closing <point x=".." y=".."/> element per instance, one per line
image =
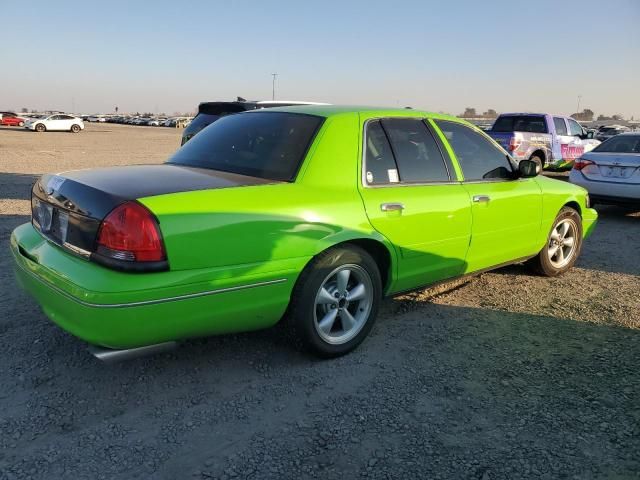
<point x="506" y="376"/>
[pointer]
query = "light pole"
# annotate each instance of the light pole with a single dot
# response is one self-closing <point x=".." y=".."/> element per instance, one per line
<point x="273" y="86"/>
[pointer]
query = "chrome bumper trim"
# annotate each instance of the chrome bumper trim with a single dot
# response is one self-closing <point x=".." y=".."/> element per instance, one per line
<point x="148" y="302"/>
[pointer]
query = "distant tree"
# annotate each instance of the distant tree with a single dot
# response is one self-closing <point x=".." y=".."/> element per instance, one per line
<point x="586" y="115"/>
<point x="604" y="117"/>
<point x="24" y="110"/>
<point x="469" y="112"/>
<point x="491" y="113"/>
<point x="617" y="117"/>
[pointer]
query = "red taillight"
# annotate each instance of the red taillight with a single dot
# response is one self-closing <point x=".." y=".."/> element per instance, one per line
<point x="580" y="163"/>
<point x="514" y="143"/>
<point x="130" y="233"/>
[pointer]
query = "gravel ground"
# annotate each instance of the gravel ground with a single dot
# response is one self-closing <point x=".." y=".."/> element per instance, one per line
<point x="504" y="376"/>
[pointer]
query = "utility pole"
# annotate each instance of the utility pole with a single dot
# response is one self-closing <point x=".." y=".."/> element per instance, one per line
<point x="273" y="86"/>
<point x="578" y="107"/>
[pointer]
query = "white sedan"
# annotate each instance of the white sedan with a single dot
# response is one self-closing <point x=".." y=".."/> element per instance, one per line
<point x="58" y="122"/>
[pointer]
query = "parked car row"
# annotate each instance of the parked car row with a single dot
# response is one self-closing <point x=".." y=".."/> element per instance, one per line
<point x="139" y="120"/>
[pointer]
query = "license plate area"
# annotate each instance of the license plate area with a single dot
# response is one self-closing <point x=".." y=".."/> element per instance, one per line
<point x="51" y="221"/>
<point x="615" y="172"/>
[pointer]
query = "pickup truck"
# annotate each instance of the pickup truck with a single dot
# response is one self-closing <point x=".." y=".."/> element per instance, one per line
<point x="552" y="141"/>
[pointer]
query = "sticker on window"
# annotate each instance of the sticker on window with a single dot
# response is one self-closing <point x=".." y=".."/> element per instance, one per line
<point x="392" y="173"/>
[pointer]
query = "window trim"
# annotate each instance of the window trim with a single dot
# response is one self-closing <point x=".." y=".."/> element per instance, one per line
<point x="510" y="162"/>
<point x="363" y="160"/>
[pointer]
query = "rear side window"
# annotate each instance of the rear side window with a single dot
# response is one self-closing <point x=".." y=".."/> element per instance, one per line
<point x="479" y="158"/>
<point x="380" y="164"/>
<point x="620" y="144"/>
<point x="416" y="152"/>
<point x="561" y="127"/>
<point x="262" y="144"/>
<point x="520" y="123"/>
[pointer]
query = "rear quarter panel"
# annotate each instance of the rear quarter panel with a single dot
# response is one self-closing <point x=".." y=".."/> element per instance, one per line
<point x="274" y="226"/>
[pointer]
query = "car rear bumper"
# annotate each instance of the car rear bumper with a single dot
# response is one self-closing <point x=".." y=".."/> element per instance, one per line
<point x="613" y="200"/>
<point x="607" y="192"/>
<point x="122" y="314"/>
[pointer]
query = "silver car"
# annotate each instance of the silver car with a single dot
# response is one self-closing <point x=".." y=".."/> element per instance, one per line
<point x="611" y="171"/>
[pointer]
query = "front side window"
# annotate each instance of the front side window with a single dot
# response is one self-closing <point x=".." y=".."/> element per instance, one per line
<point x="479" y="158"/>
<point x="574" y="128"/>
<point x="561" y="127"/>
<point x="261" y="144"/>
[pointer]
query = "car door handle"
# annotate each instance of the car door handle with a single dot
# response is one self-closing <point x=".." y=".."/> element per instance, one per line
<point x="481" y="198"/>
<point x="391" y="207"/>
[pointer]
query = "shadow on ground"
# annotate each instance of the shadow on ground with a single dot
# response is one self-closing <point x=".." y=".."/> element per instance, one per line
<point x="435" y="391"/>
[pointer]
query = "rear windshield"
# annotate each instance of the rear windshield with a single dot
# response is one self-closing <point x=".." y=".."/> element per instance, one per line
<point x="267" y="145"/>
<point x="620" y="144"/>
<point x="520" y="123"/>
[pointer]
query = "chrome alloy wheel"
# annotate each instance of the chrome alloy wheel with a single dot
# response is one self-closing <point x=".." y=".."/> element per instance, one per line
<point x="562" y="243"/>
<point x="343" y="304"/>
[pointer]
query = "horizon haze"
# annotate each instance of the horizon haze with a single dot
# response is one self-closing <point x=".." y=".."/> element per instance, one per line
<point x="167" y="56"/>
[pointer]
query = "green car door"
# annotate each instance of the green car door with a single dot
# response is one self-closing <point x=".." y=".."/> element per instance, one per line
<point x="411" y="195"/>
<point x="507" y="211"/>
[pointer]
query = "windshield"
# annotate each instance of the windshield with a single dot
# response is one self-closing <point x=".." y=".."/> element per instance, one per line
<point x="620" y="144"/>
<point x="268" y="145"/>
<point x="520" y="123"/>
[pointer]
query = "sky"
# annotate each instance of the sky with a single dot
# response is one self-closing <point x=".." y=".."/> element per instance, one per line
<point x="445" y="55"/>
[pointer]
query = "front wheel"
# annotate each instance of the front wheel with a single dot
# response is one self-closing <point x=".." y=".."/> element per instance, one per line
<point x="563" y="245"/>
<point x="40" y="128"/>
<point x="335" y="302"/>
<point x="21" y="124"/>
<point x="75" y="128"/>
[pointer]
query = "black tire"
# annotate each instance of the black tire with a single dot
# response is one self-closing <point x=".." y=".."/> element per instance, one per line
<point x="538" y="160"/>
<point x="302" y="315"/>
<point x="75" y="128"/>
<point x="40" y="128"/>
<point x="543" y="263"/>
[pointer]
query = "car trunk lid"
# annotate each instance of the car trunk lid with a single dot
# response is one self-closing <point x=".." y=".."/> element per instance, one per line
<point x="68" y="208"/>
<point x="612" y="167"/>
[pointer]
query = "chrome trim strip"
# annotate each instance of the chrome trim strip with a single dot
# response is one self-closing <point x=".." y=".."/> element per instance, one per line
<point x="148" y="302"/>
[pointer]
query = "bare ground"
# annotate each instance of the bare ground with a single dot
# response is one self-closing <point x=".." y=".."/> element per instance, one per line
<point x="507" y="375"/>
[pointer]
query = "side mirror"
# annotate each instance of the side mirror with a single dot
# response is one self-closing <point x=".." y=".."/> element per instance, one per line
<point x="528" y="169"/>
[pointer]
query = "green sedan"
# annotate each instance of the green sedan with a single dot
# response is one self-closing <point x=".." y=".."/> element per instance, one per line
<point x="308" y="214"/>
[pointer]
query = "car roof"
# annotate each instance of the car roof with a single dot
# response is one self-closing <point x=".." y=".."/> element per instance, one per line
<point x="332" y="110"/>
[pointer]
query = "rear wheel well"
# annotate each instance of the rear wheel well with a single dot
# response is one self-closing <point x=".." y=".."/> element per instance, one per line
<point x="379" y="253"/>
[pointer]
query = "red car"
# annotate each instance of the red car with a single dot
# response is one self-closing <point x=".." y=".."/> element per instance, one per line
<point x="11" y="119"/>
